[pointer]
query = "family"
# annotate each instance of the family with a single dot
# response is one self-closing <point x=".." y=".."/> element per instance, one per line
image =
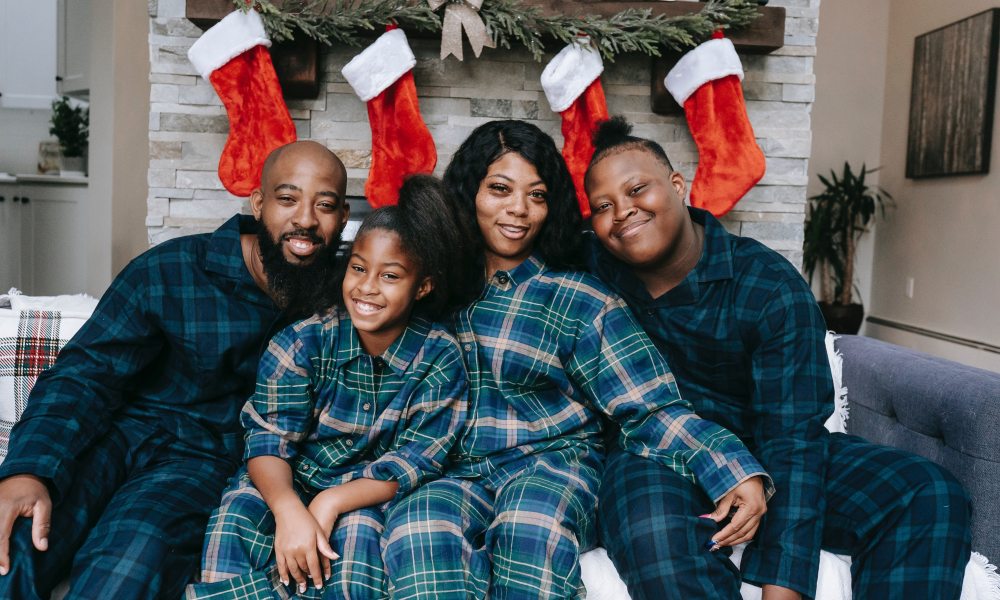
<point x="481" y="389"/>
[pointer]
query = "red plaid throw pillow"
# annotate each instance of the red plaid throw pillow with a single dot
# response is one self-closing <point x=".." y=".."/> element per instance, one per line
<point x="30" y="340"/>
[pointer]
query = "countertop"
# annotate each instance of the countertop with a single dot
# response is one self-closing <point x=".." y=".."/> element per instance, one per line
<point x="47" y="179"/>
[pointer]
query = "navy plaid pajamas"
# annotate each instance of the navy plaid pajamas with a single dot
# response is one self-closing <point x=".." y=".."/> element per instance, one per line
<point x="136" y="426"/>
<point x="336" y="413"/>
<point x="549" y="355"/>
<point x="745" y="339"/>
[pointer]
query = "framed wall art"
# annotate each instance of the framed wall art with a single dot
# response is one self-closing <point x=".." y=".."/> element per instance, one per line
<point x="952" y="97"/>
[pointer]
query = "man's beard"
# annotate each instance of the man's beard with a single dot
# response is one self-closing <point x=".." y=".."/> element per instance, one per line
<point x="301" y="290"/>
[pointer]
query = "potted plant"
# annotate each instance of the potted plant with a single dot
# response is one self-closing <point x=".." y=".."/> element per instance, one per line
<point x="836" y="219"/>
<point x="70" y="124"/>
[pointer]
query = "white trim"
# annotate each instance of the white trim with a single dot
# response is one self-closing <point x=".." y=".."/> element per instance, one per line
<point x="379" y="65"/>
<point x="570" y="72"/>
<point x="236" y="33"/>
<point x="711" y="60"/>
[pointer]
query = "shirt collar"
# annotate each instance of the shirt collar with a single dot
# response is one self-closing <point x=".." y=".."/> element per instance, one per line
<point x="398" y="355"/>
<point x="716" y="262"/>
<point x="225" y="252"/>
<point x="533" y="265"/>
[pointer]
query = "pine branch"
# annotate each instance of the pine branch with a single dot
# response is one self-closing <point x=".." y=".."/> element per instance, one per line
<point x="508" y="22"/>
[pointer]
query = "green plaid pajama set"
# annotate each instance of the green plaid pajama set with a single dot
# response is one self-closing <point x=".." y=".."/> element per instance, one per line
<point x="549" y="354"/>
<point x="745" y="339"/>
<point x="336" y="413"/>
<point x="135" y="428"/>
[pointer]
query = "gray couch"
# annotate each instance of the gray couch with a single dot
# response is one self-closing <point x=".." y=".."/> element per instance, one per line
<point x="943" y="410"/>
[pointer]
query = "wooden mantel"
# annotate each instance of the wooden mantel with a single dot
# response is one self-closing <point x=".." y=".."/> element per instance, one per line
<point x="297" y="62"/>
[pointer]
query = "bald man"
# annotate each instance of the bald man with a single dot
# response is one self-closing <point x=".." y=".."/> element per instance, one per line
<point x="127" y="441"/>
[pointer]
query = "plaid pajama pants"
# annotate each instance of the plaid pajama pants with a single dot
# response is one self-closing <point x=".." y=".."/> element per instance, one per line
<point x="516" y="532"/>
<point x="238" y="558"/>
<point x="130" y="525"/>
<point x="903" y="519"/>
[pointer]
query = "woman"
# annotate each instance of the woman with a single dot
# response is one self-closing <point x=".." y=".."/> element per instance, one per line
<point x="549" y="351"/>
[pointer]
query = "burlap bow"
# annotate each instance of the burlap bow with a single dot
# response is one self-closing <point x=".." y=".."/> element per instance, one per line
<point x="458" y="16"/>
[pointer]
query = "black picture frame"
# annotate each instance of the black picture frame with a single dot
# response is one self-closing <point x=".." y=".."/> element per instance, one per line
<point x="952" y="96"/>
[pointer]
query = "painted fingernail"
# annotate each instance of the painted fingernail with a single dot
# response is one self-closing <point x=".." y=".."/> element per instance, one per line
<point x="284" y="582"/>
<point x="705" y="516"/>
<point x="3" y="570"/>
<point x="302" y="588"/>
<point x="711" y="545"/>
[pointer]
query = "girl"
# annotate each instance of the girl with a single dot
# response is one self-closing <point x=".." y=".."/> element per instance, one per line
<point x="549" y="352"/>
<point x="353" y="409"/>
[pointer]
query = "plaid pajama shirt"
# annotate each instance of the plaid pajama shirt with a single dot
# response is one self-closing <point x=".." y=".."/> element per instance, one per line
<point x="135" y="428"/>
<point x="549" y="354"/>
<point x="336" y="413"/>
<point x="745" y="339"/>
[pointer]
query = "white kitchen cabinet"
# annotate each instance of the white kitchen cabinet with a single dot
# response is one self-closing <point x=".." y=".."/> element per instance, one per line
<point x="10" y="238"/>
<point x="73" y="58"/>
<point x="48" y="220"/>
<point x="27" y="53"/>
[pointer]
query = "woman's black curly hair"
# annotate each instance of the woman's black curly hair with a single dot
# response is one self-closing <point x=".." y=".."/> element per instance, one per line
<point x="615" y="135"/>
<point x="434" y="236"/>
<point x="559" y="240"/>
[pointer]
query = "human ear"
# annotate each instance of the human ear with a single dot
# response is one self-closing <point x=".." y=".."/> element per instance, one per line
<point x="257" y="203"/>
<point x="678" y="183"/>
<point x="426" y="287"/>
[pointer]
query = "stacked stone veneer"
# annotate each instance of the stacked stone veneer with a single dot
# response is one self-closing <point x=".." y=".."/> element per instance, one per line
<point x="188" y="124"/>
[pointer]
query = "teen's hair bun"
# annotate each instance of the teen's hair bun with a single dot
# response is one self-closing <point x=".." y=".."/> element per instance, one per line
<point x="613" y="132"/>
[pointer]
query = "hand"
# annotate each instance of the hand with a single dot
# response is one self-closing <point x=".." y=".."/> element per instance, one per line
<point x="748" y="498"/>
<point x="23" y="496"/>
<point x="326" y="509"/>
<point x="775" y="592"/>
<point x="299" y="546"/>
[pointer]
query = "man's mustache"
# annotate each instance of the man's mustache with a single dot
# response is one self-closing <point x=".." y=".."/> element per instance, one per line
<point x="302" y="233"/>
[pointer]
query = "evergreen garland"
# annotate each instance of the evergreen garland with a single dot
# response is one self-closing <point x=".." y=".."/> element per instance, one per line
<point x="508" y="22"/>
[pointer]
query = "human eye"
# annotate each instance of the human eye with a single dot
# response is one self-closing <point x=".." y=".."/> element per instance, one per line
<point x="538" y="194"/>
<point x="499" y="188"/>
<point x="636" y="189"/>
<point x="357" y="268"/>
<point x="390" y="276"/>
<point x="602" y="206"/>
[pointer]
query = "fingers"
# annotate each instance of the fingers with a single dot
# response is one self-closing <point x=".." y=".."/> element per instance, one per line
<point x="314" y="571"/>
<point x="741" y="529"/>
<point x="326" y="554"/>
<point x="722" y="509"/>
<point x="282" y="568"/>
<point x="297" y="568"/>
<point x="41" y="520"/>
<point x="7" y="518"/>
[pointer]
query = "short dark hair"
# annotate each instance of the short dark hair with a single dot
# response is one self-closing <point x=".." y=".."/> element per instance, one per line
<point x="559" y="241"/>
<point x="615" y="135"/>
<point x="435" y="237"/>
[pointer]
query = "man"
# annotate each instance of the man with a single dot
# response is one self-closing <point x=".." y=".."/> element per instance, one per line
<point x="127" y="441"/>
<point x="744" y="337"/>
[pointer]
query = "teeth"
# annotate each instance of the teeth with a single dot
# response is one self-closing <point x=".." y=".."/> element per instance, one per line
<point x="366" y="307"/>
<point x="300" y="244"/>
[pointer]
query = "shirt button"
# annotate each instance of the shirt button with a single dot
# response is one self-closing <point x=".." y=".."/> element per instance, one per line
<point x="503" y="279"/>
<point x="366" y="406"/>
<point x="350" y="442"/>
<point x="650" y="312"/>
<point x="468" y="347"/>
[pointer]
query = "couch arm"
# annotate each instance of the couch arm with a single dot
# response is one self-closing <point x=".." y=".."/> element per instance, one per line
<point x="943" y="410"/>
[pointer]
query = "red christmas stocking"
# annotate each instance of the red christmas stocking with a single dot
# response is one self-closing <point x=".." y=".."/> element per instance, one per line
<point x="382" y="76"/>
<point x="706" y="82"/>
<point x="572" y="86"/>
<point x="233" y="56"/>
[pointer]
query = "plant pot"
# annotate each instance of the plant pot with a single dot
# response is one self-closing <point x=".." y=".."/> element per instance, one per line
<point x="75" y="166"/>
<point x="841" y="318"/>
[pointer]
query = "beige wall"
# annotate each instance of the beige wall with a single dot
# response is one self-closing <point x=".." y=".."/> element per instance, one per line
<point x="847" y="114"/>
<point x="119" y="143"/>
<point x="944" y="231"/>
